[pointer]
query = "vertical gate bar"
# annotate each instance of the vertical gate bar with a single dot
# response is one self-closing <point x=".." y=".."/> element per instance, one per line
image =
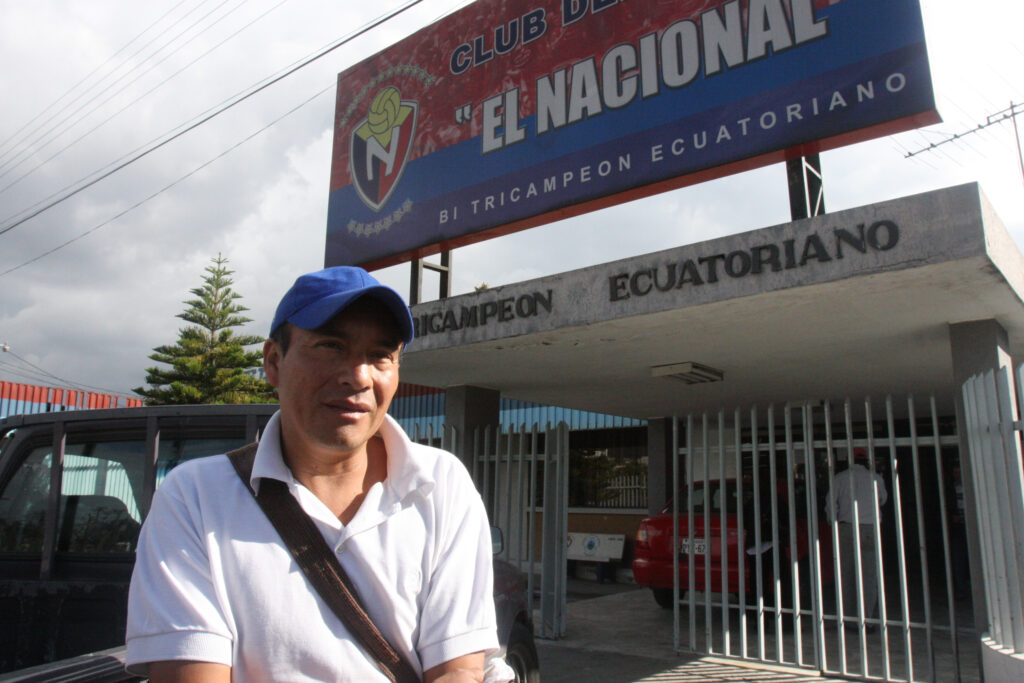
<point x="676" y="645"/>
<point x="755" y="449"/>
<point x="901" y="551"/>
<point x="1013" y="505"/>
<point x="484" y="452"/>
<point x="558" y="538"/>
<point x="520" y="502"/>
<point x="814" y="540"/>
<point x="691" y="600"/>
<point x="477" y="454"/>
<point x="978" y="455"/>
<point x="794" y="553"/>
<point x="773" y="489"/>
<point x="495" y="471"/>
<point x="508" y="482"/>
<point x="943" y="517"/>
<point x="741" y="541"/>
<point x="487" y="468"/>
<point x="858" y="569"/>
<point x="531" y="551"/>
<point x="837" y="582"/>
<point x="563" y="434"/>
<point x="545" y="548"/>
<point x="993" y="491"/>
<point x="705" y="450"/>
<point x="877" y="541"/>
<point x="495" y="476"/>
<point x="723" y="504"/>
<point x="922" y="540"/>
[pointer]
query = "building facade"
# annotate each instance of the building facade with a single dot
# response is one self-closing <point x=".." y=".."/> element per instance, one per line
<point x="882" y="327"/>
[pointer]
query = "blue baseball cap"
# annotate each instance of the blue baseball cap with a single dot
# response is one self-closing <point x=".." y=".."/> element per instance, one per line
<point x="317" y="297"/>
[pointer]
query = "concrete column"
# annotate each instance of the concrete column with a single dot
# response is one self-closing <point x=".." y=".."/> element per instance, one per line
<point x="468" y="408"/>
<point x="659" y="463"/>
<point x="977" y="346"/>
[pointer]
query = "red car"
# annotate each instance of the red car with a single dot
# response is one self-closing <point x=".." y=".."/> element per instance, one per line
<point x="652" y="565"/>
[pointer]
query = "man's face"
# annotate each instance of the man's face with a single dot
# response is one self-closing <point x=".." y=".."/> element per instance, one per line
<point x="336" y="382"/>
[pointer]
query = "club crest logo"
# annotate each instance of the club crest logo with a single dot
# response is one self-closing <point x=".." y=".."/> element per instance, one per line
<point x="380" y="146"/>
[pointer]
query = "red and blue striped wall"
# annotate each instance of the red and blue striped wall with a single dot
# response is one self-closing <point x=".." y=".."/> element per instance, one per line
<point x="21" y="399"/>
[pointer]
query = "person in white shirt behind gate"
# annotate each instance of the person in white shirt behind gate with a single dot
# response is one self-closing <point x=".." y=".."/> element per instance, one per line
<point x="217" y="595"/>
<point x="854" y="500"/>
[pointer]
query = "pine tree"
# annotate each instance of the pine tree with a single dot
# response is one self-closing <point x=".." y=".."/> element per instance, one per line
<point x="208" y="364"/>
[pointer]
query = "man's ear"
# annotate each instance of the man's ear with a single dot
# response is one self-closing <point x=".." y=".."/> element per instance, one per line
<point x="271" y="360"/>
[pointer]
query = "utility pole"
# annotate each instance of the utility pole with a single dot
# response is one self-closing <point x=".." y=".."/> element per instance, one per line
<point x="1011" y="112"/>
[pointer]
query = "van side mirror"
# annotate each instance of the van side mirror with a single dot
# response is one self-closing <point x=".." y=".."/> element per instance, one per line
<point x="497" y="541"/>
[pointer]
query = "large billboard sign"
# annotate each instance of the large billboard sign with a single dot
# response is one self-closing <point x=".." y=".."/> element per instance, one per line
<point x="512" y="113"/>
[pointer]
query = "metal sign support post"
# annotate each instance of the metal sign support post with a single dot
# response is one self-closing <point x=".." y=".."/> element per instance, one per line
<point x="806" y="193"/>
<point x="416" y="277"/>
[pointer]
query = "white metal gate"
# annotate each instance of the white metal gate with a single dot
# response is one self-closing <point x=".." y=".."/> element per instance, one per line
<point x="522" y="476"/>
<point x="762" y="570"/>
<point x="994" y="438"/>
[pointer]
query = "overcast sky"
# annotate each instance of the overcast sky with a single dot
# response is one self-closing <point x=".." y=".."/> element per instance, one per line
<point x="87" y="83"/>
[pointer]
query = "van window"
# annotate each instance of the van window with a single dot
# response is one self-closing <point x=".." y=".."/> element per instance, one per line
<point x="23" y="505"/>
<point x="173" y="452"/>
<point x="101" y="491"/>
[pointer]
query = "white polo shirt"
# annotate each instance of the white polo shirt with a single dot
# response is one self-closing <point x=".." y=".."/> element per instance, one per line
<point x="855" y="489"/>
<point x="213" y="581"/>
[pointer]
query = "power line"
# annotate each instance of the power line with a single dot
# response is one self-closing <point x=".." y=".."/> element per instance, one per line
<point x="122" y="110"/>
<point x="35" y="145"/>
<point x="234" y="102"/>
<point x="1011" y="112"/>
<point x="37" y="373"/>
<point x="128" y="155"/>
<point x="84" y="79"/>
<point x="85" y="92"/>
<point x="166" y="187"/>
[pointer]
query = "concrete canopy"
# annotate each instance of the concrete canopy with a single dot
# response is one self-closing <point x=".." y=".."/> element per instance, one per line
<point x="851" y="304"/>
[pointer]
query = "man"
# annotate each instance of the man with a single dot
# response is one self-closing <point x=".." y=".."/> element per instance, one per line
<point x="216" y="596"/>
<point x="854" y="500"/>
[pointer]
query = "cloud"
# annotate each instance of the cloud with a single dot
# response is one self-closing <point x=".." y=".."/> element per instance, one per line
<point x="93" y="311"/>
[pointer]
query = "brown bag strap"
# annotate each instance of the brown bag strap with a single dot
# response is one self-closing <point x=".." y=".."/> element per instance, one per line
<point x="320" y="565"/>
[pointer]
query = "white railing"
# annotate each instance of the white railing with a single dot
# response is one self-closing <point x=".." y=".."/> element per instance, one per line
<point x="994" y="438"/>
<point x="522" y="476"/>
<point x="771" y="604"/>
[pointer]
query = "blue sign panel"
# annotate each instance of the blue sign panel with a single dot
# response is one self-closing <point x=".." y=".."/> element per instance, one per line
<point x="512" y="113"/>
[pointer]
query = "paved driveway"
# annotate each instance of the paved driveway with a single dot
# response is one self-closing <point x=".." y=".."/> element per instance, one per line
<point x="616" y="634"/>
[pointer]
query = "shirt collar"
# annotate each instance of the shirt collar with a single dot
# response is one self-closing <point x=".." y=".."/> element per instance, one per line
<point x="409" y="467"/>
<point x="269" y="461"/>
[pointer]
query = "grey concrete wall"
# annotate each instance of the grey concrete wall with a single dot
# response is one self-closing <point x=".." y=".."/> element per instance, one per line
<point x="934" y="227"/>
<point x="976" y="347"/>
<point x="659" y="463"/>
<point x="469" y="408"/>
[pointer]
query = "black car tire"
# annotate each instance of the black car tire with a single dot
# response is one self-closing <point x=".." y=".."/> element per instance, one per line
<point x="663" y="596"/>
<point x="521" y="655"/>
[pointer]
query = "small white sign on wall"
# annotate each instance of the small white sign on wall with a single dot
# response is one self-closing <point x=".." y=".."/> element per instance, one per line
<point x="595" y="547"/>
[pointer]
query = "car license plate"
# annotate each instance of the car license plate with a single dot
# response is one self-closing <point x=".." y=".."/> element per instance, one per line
<point x="698" y="545"/>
